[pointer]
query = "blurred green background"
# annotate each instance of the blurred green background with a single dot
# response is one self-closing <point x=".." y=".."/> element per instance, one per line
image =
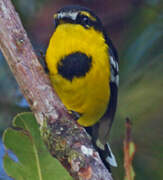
<point x="136" y="28"/>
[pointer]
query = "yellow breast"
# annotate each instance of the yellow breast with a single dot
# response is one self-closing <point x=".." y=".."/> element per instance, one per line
<point x="88" y="95"/>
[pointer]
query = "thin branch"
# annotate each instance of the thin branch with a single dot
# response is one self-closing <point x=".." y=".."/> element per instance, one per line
<point x="129" y="152"/>
<point x="65" y="139"/>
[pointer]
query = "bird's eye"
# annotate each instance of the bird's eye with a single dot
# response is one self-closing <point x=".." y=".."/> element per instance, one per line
<point x="84" y="20"/>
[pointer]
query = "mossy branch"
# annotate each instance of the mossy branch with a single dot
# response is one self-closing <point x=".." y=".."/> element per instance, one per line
<point x="65" y="139"/>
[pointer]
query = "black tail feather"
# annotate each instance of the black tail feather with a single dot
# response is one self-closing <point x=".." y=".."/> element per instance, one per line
<point x="106" y="154"/>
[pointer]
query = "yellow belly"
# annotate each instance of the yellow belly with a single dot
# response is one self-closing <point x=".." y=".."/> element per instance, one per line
<point x="88" y="95"/>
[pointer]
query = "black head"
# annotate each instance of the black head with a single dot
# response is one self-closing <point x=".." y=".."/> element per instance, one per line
<point x="75" y="14"/>
<point x="78" y="15"/>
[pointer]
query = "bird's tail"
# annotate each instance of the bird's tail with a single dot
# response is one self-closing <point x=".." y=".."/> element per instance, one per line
<point x="104" y="151"/>
<point x="107" y="156"/>
<point x="111" y="158"/>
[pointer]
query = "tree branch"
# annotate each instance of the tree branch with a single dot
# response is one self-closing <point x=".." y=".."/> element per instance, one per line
<point x="65" y="139"/>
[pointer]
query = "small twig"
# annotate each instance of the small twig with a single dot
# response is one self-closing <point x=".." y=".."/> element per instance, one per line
<point x="129" y="151"/>
<point x="65" y="140"/>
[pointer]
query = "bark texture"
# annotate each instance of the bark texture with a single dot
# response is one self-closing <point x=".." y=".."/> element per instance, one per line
<point x="65" y="139"/>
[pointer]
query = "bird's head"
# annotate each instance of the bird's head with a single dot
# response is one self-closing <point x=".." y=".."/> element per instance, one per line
<point x="78" y="15"/>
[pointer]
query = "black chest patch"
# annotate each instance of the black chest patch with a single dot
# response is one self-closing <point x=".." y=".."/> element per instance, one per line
<point x="74" y="65"/>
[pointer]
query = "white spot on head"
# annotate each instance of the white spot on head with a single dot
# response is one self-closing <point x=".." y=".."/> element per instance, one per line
<point x="86" y="151"/>
<point x="72" y="15"/>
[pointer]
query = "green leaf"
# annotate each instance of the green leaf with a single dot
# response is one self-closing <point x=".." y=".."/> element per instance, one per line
<point x="34" y="160"/>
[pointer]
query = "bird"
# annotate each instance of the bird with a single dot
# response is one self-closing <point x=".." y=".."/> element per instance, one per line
<point x="82" y="63"/>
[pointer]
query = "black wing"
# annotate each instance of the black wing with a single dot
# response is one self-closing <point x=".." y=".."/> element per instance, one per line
<point x="107" y="120"/>
<point x="101" y="130"/>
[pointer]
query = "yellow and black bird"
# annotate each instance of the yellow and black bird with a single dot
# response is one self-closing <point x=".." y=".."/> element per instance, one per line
<point x="83" y="68"/>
